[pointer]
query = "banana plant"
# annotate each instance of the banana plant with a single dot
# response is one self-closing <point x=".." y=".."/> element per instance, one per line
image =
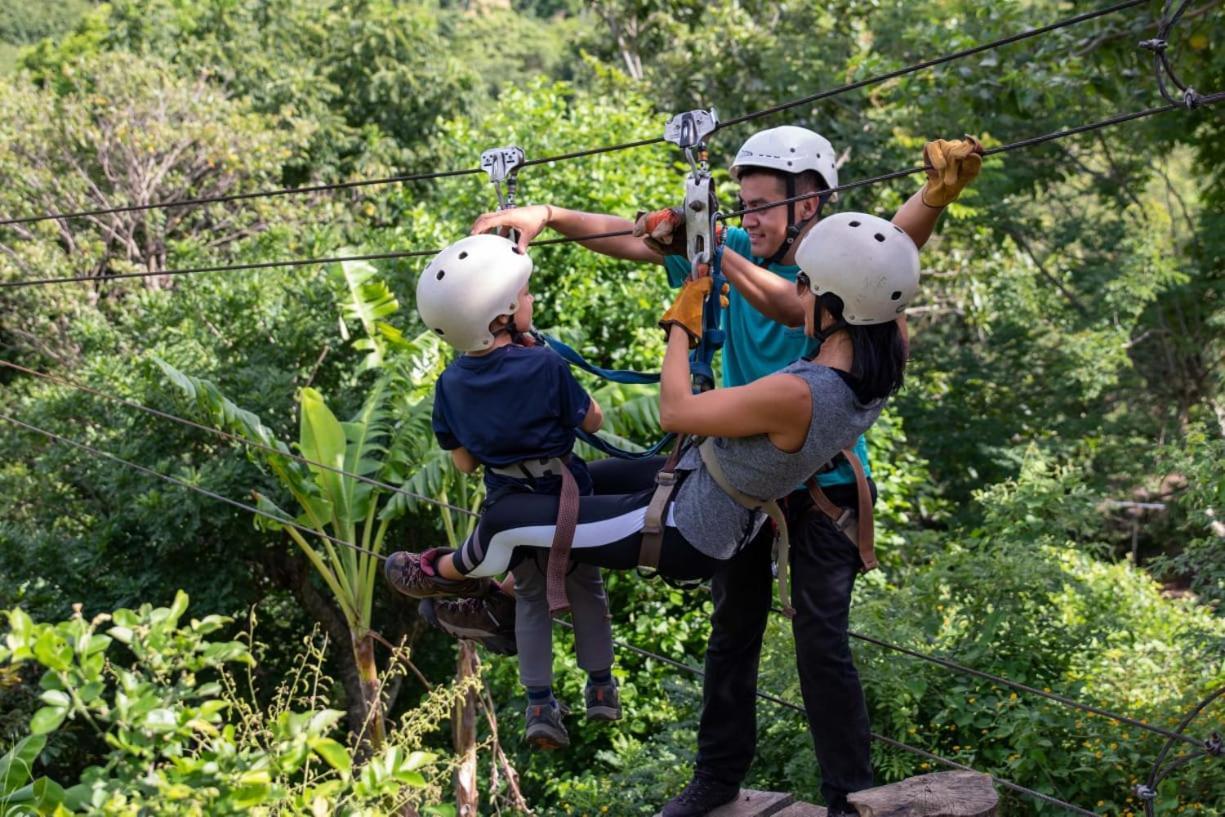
<point x="387" y="440"/>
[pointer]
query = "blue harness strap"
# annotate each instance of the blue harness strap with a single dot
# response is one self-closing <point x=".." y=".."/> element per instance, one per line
<point x="575" y="358"/>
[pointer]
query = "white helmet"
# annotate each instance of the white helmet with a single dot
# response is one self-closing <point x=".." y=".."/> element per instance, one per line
<point x="789" y="149"/>
<point x="467" y="285"/>
<point x="870" y="263"/>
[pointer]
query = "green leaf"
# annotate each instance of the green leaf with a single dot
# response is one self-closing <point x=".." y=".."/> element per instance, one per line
<point x="47" y="719"/>
<point x="322" y="440"/>
<point x="336" y="755"/>
<point x="16" y="766"/>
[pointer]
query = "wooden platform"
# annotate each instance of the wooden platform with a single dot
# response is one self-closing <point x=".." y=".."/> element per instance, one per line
<point x="942" y="794"/>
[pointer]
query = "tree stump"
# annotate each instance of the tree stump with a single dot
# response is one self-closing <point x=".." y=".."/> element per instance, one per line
<point x="942" y="794"/>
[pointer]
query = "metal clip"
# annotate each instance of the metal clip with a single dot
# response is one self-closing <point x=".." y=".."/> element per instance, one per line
<point x="502" y="165"/>
<point x="1214" y="746"/>
<point x="1144" y="792"/>
<point x="689" y="130"/>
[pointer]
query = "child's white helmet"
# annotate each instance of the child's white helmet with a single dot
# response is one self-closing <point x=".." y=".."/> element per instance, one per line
<point x="870" y="263"/>
<point x="468" y="285"/>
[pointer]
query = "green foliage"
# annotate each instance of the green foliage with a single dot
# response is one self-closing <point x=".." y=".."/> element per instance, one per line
<point x="177" y="742"/>
<point x="1066" y="347"/>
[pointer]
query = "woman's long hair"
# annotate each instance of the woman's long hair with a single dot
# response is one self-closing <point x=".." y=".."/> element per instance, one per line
<point x="879" y="350"/>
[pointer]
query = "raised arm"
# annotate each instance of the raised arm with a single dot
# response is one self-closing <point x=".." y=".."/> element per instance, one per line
<point x="951" y="165"/>
<point x="776" y="405"/>
<point x="530" y="220"/>
<point x="770" y="294"/>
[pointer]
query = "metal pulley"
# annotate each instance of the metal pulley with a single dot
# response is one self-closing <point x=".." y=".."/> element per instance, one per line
<point x="502" y="165"/>
<point x="688" y="131"/>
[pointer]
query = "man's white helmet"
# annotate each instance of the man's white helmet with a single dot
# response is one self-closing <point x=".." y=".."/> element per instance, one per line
<point x="870" y="263"/>
<point x="467" y="285"/>
<point x="789" y="149"/>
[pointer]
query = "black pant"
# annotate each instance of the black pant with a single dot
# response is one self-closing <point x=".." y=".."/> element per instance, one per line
<point x="824" y="565"/>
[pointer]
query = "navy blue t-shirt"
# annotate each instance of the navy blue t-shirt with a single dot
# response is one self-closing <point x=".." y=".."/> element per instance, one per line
<point x="515" y="403"/>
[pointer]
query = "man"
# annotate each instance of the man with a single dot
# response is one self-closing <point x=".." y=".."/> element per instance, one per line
<point x="772" y="166"/>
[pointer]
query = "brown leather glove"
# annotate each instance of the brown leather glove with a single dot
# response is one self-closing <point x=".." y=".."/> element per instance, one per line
<point x="686" y="310"/>
<point x="662" y="230"/>
<point x="951" y="165"/>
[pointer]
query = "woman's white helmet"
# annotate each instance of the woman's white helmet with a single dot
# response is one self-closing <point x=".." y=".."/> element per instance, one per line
<point x="789" y="149"/>
<point x="870" y="263"/>
<point x="468" y="285"/>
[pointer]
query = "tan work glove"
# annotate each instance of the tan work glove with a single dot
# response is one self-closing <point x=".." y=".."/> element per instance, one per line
<point x="951" y="165"/>
<point x="662" y="230"/>
<point x="686" y="310"/>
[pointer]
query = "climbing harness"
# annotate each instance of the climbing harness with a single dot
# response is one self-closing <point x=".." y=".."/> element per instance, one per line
<point x="855" y="525"/>
<point x="567" y="521"/>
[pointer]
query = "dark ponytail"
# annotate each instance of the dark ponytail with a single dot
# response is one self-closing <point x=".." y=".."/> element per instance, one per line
<point x="879" y="350"/>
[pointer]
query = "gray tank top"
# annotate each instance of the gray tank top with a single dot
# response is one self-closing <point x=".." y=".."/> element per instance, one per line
<point x="716" y="524"/>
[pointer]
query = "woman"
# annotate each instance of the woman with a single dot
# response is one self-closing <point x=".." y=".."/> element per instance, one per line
<point x="858" y="272"/>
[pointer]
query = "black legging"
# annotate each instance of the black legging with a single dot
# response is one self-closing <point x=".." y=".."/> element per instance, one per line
<point x="609" y="531"/>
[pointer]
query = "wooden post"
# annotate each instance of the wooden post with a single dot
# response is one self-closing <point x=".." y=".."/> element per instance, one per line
<point x="463" y="735"/>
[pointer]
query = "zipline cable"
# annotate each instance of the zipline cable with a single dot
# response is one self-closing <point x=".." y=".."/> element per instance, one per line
<point x="183" y="421"/>
<point x="1023" y="143"/>
<point x="897" y="744"/>
<point x="184" y="484"/>
<point x="1147" y="792"/>
<point x="1002" y="681"/>
<point x="318" y="188"/>
<point x="262" y="265"/>
<point x="842" y="89"/>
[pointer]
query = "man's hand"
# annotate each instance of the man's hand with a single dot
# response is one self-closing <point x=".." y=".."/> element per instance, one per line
<point x="528" y="221"/>
<point x="663" y="230"/>
<point x="951" y="165"/>
<point x="686" y="310"/>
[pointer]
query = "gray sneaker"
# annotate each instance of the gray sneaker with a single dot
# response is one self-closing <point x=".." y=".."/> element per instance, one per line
<point x="603" y="702"/>
<point x="544" y="727"/>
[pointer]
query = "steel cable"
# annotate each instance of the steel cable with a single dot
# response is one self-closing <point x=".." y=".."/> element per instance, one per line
<point x="184" y="484"/>
<point x="387" y="180"/>
<point x="897" y="744"/>
<point x="232" y="437"/>
<point x="1023" y="143"/>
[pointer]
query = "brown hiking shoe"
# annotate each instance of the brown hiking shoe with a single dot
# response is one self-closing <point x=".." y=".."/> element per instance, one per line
<point x="489" y="619"/>
<point x="413" y="575"/>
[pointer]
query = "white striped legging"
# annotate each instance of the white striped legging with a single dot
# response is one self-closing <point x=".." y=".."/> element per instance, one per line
<point x="609" y="531"/>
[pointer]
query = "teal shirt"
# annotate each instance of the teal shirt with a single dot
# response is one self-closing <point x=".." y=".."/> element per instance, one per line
<point x="757" y="346"/>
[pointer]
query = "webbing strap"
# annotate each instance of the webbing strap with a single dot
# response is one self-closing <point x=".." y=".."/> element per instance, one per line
<point x="861" y="522"/>
<point x="782" y="539"/>
<point x="563" y="538"/>
<point x="653" y="525"/>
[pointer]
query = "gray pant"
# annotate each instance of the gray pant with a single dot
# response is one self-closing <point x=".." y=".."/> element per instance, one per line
<point x="534" y="626"/>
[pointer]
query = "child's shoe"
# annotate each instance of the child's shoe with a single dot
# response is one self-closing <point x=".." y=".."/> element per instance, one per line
<point x="603" y="702"/>
<point x="545" y="729"/>
<point x="414" y="574"/>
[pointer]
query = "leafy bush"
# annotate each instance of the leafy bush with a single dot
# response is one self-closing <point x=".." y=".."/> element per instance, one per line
<point x="180" y="741"/>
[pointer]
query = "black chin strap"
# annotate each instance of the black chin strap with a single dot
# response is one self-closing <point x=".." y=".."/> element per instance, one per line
<point x="794" y="228"/>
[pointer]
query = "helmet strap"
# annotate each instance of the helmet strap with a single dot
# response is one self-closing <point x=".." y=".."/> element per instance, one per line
<point x="794" y="228"/>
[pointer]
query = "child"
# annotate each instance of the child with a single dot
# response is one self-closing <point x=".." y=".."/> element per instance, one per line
<point x="514" y="409"/>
